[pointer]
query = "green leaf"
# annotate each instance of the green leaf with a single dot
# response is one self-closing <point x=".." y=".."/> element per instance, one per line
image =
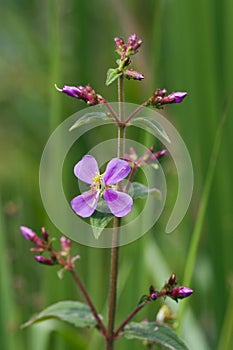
<point x="156" y="333"/>
<point x="74" y="312"/>
<point x="100" y="219"/>
<point x="112" y="75"/>
<point x="138" y="190"/>
<point x="152" y="125"/>
<point x="89" y="118"/>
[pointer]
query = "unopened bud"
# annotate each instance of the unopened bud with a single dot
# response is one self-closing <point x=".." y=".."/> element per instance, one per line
<point x="172" y="280"/>
<point x="27" y="233"/>
<point x="153" y="296"/>
<point x="85" y="93"/>
<point x="133" y="74"/>
<point x="180" y="292"/>
<point x="65" y="244"/>
<point x="43" y="260"/>
<point x="31" y="236"/>
<point x="44" y="234"/>
<point x="120" y="45"/>
<point x="174" y="97"/>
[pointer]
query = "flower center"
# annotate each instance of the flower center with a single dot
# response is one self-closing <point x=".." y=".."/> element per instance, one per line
<point x="97" y="182"/>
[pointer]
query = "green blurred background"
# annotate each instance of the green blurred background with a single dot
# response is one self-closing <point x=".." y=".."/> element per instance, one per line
<point x="187" y="47"/>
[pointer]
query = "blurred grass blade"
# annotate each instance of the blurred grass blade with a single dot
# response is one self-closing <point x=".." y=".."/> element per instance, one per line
<point x="8" y="309"/>
<point x="226" y="337"/>
<point x="191" y="259"/>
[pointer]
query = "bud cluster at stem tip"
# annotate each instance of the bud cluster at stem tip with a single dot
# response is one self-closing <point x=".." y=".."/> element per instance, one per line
<point x="85" y="93"/>
<point x="159" y="98"/>
<point x="170" y="290"/>
<point x="44" y="245"/>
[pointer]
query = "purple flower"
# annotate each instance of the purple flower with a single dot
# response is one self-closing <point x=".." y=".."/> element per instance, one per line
<point x="87" y="170"/>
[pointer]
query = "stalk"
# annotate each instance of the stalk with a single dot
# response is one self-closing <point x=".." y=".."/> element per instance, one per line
<point x="116" y="231"/>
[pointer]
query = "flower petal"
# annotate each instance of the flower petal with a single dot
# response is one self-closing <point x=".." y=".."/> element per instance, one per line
<point x="119" y="203"/>
<point x="117" y="169"/>
<point x="86" y="169"/>
<point x="85" y="204"/>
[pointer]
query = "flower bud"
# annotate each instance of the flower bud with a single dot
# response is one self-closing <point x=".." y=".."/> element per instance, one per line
<point x="133" y="74"/>
<point x="65" y="245"/>
<point x="174" y="97"/>
<point x="120" y="45"/>
<point x="44" y="234"/>
<point x="31" y="236"/>
<point x="133" y="44"/>
<point x="179" y="293"/>
<point x="85" y="93"/>
<point x="43" y="260"/>
<point x="27" y="233"/>
<point x="159" y="98"/>
<point x="172" y="280"/>
<point x="153" y="296"/>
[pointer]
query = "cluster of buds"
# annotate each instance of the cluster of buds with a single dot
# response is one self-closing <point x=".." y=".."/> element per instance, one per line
<point x="147" y="158"/>
<point x="85" y="93"/>
<point x="170" y="290"/>
<point x="129" y="48"/>
<point x="159" y="98"/>
<point x="125" y="50"/>
<point x="44" y="245"/>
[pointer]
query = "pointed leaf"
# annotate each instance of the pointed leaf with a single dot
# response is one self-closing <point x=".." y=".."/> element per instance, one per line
<point x="112" y="75"/>
<point x="138" y="190"/>
<point x="156" y="333"/>
<point x="100" y="219"/>
<point x="152" y="125"/>
<point x="74" y="312"/>
<point x="89" y="118"/>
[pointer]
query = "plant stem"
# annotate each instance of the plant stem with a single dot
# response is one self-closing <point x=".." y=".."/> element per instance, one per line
<point x="116" y="231"/>
<point x="113" y="285"/>
<point x="89" y="302"/>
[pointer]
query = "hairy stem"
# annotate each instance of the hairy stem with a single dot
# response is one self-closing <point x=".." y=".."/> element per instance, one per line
<point x="113" y="285"/>
<point x="116" y="231"/>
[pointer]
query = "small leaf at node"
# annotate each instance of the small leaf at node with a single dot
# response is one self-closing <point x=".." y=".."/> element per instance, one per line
<point x="99" y="221"/>
<point x="112" y="75"/>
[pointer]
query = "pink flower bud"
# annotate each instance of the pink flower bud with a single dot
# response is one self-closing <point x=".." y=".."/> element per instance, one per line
<point x="27" y="233"/>
<point x="133" y="74"/>
<point x="180" y="292"/>
<point x="85" y="93"/>
<point x="174" y="97"/>
<point x="65" y="244"/>
<point x="31" y="236"/>
<point x="43" y="260"/>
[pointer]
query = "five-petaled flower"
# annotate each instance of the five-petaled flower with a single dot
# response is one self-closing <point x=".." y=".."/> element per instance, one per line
<point x="87" y="170"/>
